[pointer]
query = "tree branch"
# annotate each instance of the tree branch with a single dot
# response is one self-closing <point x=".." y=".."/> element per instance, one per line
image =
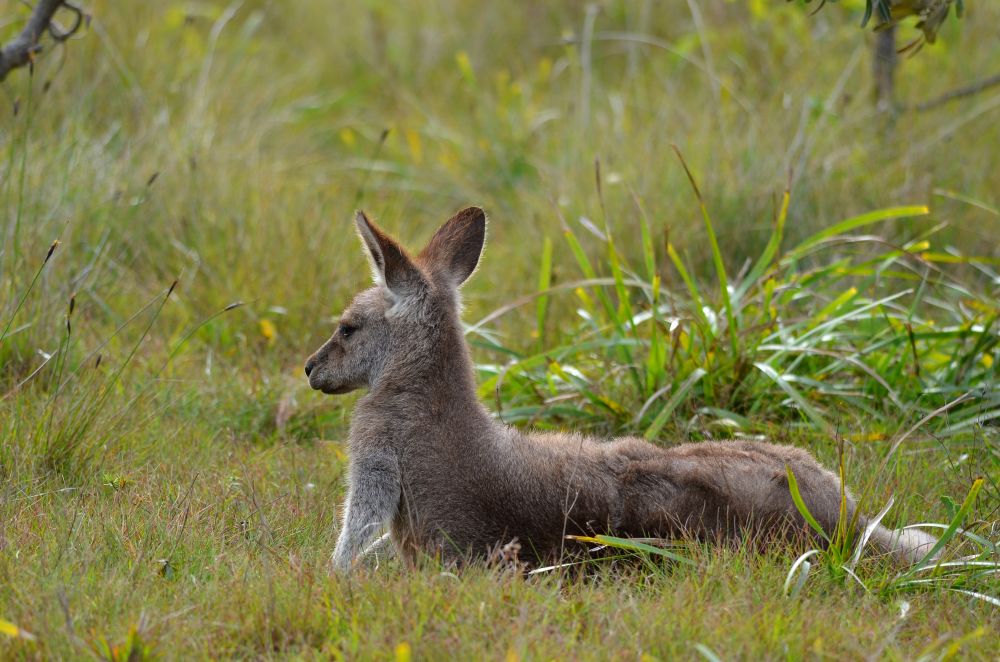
<point x="21" y="50"/>
<point x="961" y="92"/>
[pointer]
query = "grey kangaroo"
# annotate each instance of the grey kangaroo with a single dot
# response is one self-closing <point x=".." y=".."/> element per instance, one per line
<point x="428" y="460"/>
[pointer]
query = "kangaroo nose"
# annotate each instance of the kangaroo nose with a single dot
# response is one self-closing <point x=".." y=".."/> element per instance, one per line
<point x="310" y="364"/>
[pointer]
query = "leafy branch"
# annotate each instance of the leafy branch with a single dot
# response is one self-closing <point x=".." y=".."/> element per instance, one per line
<point x="931" y="13"/>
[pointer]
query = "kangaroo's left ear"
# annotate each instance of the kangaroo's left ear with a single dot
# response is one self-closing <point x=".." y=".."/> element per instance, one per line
<point x="391" y="266"/>
<point x="454" y="251"/>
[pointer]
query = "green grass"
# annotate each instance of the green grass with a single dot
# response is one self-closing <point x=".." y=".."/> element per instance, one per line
<point x="169" y="484"/>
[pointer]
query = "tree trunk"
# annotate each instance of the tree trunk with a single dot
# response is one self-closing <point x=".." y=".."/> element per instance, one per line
<point x="884" y="69"/>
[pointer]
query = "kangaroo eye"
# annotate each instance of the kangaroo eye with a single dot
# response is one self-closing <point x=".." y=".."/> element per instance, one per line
<point x="345" y="330"/>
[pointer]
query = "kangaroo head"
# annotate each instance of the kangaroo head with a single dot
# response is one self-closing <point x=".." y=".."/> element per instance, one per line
<point x="399" y="325"/>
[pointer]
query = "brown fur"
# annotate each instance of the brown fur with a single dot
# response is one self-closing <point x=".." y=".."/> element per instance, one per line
<point x="428" y="460"/>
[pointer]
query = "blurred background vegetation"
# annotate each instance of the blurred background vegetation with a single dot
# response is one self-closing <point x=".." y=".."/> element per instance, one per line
<point x="263" y="121"/>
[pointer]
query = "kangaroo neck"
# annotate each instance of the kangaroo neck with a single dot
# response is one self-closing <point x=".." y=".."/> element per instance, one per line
<point x="435" y="388"/>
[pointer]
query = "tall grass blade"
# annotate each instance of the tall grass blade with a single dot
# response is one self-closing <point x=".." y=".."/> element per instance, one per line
<point x="949" y="533"/>
<point x="853" y="223"/>
<point x="648" y="250"/>
<point x="979" y="596"/>
<point x="697" y="303"/>
<point x="27" y="291"/>
<point x="795" y="395"/>
<point x="633" y="546"/>
<point x="866" y="535"/>
<point x="803" y="562"/>
<point x="544" y="281"/>
<point x="707" y="653"/>
<point x="720" y="267"/>
<point x="767" y="257"/>
<point x="675" y="399"/>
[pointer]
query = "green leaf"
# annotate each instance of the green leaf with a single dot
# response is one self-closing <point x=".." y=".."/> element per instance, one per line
<point x="800" y="505"/>
<point x="9" y="629"/>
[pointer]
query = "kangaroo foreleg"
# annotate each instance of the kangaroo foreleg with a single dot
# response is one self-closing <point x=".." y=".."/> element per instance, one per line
<point x="372" y="499"/>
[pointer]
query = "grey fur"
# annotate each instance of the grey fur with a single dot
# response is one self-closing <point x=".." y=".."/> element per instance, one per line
<point x="428" y="461"/>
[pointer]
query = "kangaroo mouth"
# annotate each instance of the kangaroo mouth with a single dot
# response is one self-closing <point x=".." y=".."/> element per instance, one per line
<point x="331" y="389"/>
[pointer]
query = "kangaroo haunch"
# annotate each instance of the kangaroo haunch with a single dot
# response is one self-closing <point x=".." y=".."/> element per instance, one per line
<point x="429" y="461"/>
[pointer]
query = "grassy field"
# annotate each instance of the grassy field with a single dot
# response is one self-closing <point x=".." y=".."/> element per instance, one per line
<point x="169" y="485"/>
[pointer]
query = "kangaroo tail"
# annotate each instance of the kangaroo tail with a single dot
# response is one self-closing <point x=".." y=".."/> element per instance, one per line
<point x="908" y="545"/>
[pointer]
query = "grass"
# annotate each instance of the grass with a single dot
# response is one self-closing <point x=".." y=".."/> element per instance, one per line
<point x="168" y="484"/>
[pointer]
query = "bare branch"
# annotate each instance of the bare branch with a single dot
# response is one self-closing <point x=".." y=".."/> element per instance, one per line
<point x="56" y="31"/>
<point x="21" y="50"/>
<point x="960" y="93"/>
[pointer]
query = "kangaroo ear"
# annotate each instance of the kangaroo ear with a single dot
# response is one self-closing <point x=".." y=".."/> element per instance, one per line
<point x="391" y="266"/>
<point x="454" y="250"/>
